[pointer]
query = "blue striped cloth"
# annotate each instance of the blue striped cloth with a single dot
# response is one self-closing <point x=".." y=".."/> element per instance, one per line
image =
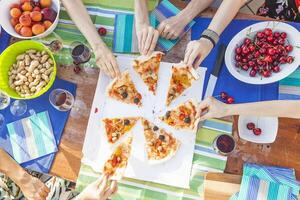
<point x="125" y="39"/>
<point x="31" y="137"/>
<point x="289" y="88"/>
<point x="267" y="183"/>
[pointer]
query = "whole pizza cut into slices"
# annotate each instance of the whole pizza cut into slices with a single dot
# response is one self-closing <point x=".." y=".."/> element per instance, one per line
<point x="148" y="68"/>
<point x="123" y="89"/>
<point x="182" y="117"/>
<point x="181" y="79"/>
<point x="160" y="145"/>
<point x="115" y="128"/>
<point x="115" y="166"/>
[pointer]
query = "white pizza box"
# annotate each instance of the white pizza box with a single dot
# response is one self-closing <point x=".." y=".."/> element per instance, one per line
<point x="96" y="150"/>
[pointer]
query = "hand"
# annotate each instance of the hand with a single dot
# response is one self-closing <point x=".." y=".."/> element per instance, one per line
<point x="172" y="27"/>
<point x="212" y="108"/>
<point x="106" y="61"/>
<point x="147" y="38"/>
<point x="32" y="187"/>
<point x="98" y="190"/>
<point x="196" y="51"/>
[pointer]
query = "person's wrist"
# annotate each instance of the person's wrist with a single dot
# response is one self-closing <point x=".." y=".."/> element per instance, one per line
<point x="206" y="42"/>
<point x="19" y="176"/>
<point x="185" y="16"/>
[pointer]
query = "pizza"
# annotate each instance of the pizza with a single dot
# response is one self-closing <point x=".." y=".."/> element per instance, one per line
<point x="182" y="117"/>
<point x="115" y="128"/>
<point x="181" y="79"/>
<point x="115" y="166"/>
<point x="160" y="145"/>
<point x="123" y="89"/>
<point x="148" y="68"/>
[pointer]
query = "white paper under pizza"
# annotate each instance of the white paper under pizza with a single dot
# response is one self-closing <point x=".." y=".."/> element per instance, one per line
<point x="96" y="150"/>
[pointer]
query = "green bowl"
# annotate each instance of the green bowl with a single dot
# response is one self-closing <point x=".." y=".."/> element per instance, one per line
<point x="8" y="58"/>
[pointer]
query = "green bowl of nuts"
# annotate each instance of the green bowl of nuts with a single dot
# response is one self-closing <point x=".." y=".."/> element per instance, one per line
<point x="27" y="70"/>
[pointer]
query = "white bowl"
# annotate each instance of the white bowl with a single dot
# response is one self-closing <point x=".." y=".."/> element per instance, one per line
<point x="5" y="19"/>
<point x="286" y="69"/>
<point x="268" y="125"/>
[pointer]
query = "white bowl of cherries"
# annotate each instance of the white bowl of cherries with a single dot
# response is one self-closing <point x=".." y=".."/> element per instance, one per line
<point x="264" y="53"/>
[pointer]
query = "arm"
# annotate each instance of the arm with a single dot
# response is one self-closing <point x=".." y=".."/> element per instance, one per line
<point x="197" y="50"/>
<point x="105" y="59"/>
<point x="172" y="27"/>
<point x="31" y="187"/>
<point x="146" y="34"/>
<point x="212" y="108"/>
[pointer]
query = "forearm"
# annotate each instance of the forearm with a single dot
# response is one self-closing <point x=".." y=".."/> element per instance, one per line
<point x="225" y="14"/>
<point x="193" y="9"/>
<point x="82" y="20"/>
<point x="141" y="12"/>
<point x="10" y="167"/>
<point x="288" y="108"/>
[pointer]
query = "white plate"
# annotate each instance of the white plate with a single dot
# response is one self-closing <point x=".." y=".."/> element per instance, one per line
<point x="5" y="19"/>
<point x="268" y="125"/>
<point x="286" y="69"/>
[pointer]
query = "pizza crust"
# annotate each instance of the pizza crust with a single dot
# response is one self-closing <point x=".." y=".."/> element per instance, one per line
<point x="191" y="69"/>
<point x="143" y="58"/>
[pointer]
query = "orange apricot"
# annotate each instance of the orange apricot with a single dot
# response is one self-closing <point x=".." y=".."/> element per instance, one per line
<point x="26" y="31"/>
<point x="15" y="5"/>
<point x="15" y="12"/>
<point x="47" y="24"/>
<point x="27" y="6"/>
<point x="46" y="3"/>
<point x="36" y="16"/>
<point x="38" y="29"/>
<point x="18" y="27"/>
<point x="14" y="21"/>
<point x="25" y="20"/>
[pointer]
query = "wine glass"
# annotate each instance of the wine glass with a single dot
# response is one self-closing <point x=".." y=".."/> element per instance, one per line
<point x="224" y="144"/>
<point x="80" y="53"/>
<point x="4" y="100"/>
<point x="18" y="108"/>
<point x="61" y="99"/>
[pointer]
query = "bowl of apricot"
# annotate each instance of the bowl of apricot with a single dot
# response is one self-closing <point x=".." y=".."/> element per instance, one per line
<point x="27" y="19"/>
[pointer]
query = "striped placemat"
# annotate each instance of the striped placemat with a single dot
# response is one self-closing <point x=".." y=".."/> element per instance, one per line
<point x="125" y="39"/>
<point x="289" y="88"/>
<point x="205" y="159"/>
<point x="31" y="137"/>
<point x="102" y="13"/>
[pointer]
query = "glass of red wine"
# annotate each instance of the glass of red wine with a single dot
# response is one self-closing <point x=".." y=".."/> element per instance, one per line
<point x="80" y="53"/>
<point x="224" y="144"/>
<point x="61" y="99"/>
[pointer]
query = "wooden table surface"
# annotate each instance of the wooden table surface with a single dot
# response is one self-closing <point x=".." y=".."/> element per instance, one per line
<point x="284" y="151"/>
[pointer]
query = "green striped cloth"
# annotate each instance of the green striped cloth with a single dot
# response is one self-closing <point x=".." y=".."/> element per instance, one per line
<point x="102" y="13"/>
<point x="205" y="159"/>
<point x="289" y="88"/>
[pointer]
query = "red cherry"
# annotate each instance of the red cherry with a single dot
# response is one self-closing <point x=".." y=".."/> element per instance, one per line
<point x="256" y="54"/>
<point x="276" y="69"/>
<point x="253" y="73"/>
<point x="271" y="51"/>
<point x="270" y="39"/>
<point x="238" y="57"/>
<point x="244" y="60"/>
<point x="268" y="59"/>
<point x="224" y="95"/>
<point x="290" y="59"/>
<point x="102" y="31"/>
<point x="276" y="34"/>
<point x="251" y="63"/>
<point x="250" y="126"/>
<point x="247" y="41"/>
<point x="281" y="41"/>
<point x="257" y="131"/>
<point x="245" y="67"/>
<point x="230" y="100"/>
<point x="289" y="48"/>
<point x="238" y="50"/>
<point x="268" y="32"/>
<point x="77" y="69"/>
<point x="266" y="73"/>
<point x="283" y="35"/>
<point x="245" y="50"/>
<point x="260" y="35"/>
<point x="282" y="60"/>
<point x="251" y="48"/>
<point x="262" y="50"/>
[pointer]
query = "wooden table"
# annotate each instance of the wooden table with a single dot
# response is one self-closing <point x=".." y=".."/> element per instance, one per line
<point x="284" y="152"/>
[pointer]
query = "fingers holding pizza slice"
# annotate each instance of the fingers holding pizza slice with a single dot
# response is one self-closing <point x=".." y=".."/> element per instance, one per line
<point x="181" y="79"/>
<point x="160" y="145"/>
<point x="148" y="67"/>
<point x="115" y="128"/>
<point x="116" y="165"/>
<point x="183" y="116"/>
<point x="123" y="89"/>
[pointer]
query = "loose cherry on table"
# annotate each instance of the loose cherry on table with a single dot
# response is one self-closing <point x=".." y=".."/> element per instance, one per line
<point x="102" y="31"/>
<point x="255" y="130"/>
<point x="264" y="53"/>
<point x="227" y="99"/>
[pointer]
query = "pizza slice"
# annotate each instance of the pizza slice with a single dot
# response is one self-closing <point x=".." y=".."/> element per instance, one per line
<point x="182" y="117"/>
<point x="148" y="68"/>
<point x="123" y="89"/>
<point x="181" y="79"/>
<point x="161" y="146"/>
<point x="115" y="128"/>
<point x="115" y="166"/>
